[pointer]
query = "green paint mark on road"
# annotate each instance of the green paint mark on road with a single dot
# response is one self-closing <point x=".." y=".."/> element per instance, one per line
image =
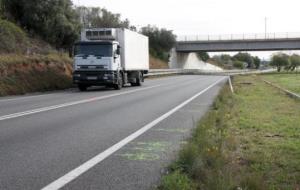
<point x="145" y="151"/>
<point x="151" y="146"/>
<point x="172" y="130"/>
<point x="140" y="156"/>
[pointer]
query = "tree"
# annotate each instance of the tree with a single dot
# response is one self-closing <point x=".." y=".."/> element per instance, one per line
<point x="204" y="56"/>
<point x="54" y="20"/>
<point x="244" y="57"/>
<point x="227" y="59"/>
<point x="238" y="64"/>
<point x="256" y="62"/>
<point x="223" y="60"/>
<point x="280" y="60"/>
<point x="95" y="17"/>
<point x="294" y="62"/>
<point x="161" y="41"/>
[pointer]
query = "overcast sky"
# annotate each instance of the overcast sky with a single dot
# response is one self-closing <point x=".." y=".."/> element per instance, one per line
<point x="202" y="17"/>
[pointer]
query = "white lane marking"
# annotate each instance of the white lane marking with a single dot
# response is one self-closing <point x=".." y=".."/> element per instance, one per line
<point x="29" y="112"/>
<point x="16" y="98"/>
<point x="38" y="110"/>
<point x="64" y="180"/>
<point x="26" y="97"/>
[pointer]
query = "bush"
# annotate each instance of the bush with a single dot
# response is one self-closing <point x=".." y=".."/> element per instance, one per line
<point x="245" y="57"/>
<point x="239" y="64"/>
<point x="177" y="181"/>
<point x="204" y="56"/>
<point x="13" y="39"/>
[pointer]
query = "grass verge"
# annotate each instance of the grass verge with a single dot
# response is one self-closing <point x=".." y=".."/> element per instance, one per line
<point x="288" y="81"/>
<point x="249" y="140"/>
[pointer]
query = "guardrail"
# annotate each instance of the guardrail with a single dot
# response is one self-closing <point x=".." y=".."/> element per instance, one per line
<point x="162" y="72"/>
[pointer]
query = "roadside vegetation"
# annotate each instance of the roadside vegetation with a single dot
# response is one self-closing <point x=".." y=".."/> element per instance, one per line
<point x="246" y="141"/>
<point x="238" y="61"/>
<point x="36" y="36"/>
<point x="21" y="74"/>
<point x="161" y="41"/>
<point x="285" y="62"/>
<point x="289" y="81"/>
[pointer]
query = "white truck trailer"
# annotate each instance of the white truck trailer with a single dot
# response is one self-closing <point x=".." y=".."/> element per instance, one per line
<point x="111" y="57"/>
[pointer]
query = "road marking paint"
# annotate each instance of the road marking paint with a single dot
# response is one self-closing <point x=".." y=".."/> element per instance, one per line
<point x="60" y="92"/>
<point x="26" y="97"/>
<point x="64" y="180"/>
<point x="44" y="109"/>
<point x="30" y="112"/>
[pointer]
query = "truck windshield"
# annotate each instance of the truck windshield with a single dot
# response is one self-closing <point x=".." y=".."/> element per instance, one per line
<point x="104" y="50"/>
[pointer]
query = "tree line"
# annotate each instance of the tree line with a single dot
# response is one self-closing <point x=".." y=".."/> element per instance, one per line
<point x="59" y="23"/>
<point x="238" y="61"/>
<point x="285" y="62"/>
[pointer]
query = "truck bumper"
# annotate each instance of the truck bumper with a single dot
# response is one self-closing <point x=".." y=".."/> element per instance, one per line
<point x="95" y="78"/>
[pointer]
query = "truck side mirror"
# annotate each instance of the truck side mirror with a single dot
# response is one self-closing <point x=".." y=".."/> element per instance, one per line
<point x="118" y="50"/>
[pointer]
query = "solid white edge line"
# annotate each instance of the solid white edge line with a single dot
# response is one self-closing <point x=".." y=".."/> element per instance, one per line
<point x="30" y="112"/>
<point x="70" y="176"/>
<point x="44" y="109"/>
<point x="25" y="97"/>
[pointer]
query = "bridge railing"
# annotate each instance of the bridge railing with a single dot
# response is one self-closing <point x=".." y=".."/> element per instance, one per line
<point x="226" y="37"/>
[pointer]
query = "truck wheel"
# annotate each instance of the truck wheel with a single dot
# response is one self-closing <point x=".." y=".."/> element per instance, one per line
<point x="139" y="80"/>
<point x="82" y="87"/>
<point x="120" y="83"/>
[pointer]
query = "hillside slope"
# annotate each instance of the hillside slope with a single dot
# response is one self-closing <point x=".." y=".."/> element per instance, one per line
<point x="21" y="74"/>
<point x="156" y="63"/>
<point x="29" y="64"/>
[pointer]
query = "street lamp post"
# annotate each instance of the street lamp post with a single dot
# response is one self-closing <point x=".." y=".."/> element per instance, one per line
<point x="265" y="27"/>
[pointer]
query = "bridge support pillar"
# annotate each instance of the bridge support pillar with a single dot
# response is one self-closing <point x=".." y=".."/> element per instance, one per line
<point x="182" y="60"/>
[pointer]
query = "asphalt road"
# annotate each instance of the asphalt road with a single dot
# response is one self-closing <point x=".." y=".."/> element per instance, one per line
<point x="100" y="139"/>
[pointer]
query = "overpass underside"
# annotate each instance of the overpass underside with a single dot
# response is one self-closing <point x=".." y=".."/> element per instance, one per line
<point x="239" y="45"/>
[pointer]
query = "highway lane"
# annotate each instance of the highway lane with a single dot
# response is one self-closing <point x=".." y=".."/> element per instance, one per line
<point x="9" y="105"/>
<point x="38" y="149"/>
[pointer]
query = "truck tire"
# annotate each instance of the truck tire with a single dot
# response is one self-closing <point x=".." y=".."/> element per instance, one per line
<point x="82" y="87"/>
<point x="138" y="80"/>
<point x="119" y="84"/>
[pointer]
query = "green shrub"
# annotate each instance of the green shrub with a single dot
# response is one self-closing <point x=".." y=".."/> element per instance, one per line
<point x="239" y="64"/>
<point x="13" y="39"/>
<point x="177" y="181"/>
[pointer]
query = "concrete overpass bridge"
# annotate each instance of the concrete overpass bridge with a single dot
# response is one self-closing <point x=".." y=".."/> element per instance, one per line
<point x="241" y="42"/>
<point x="183" y="55"/>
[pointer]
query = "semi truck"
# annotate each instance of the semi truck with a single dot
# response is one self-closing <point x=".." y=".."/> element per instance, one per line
<point x="111" y="57"/>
